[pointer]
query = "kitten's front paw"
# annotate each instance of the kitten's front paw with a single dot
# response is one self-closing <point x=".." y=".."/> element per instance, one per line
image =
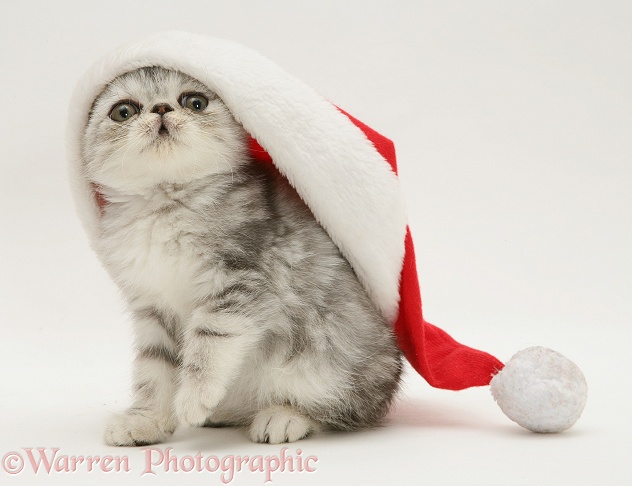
<point x="280" y="424"/>
<point x="193" y="405"/>
<point x="134" y="428"/>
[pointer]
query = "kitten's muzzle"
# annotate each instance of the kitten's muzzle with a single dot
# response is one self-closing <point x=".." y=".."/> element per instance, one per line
<point x="161" y="109"/>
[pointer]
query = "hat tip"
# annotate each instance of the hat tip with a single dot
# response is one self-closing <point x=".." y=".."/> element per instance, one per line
<point x="541" y="390"/>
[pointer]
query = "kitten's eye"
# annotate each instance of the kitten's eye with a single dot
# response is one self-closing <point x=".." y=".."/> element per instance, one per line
<point x="195" y="102"/>
<point x="123" y="111"/>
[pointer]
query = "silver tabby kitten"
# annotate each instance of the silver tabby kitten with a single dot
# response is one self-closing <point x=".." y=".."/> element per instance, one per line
<point x="245" y="311"/>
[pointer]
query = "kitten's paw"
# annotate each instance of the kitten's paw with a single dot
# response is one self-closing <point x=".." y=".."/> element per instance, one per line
<point x="133" y="428"/>
<point x="280" y="424"/>
<point x="193" y="406"/>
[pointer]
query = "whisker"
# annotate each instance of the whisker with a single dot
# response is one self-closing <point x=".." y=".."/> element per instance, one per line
<point x="138" y="139"/>
<point x="123" y="147"/>
<point x="204" y="142"/>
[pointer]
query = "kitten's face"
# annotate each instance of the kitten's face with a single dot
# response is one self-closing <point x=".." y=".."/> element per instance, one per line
<point x="154" y="125"/>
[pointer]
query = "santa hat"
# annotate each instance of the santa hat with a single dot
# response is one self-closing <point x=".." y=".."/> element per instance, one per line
<point x="346" y="173"/>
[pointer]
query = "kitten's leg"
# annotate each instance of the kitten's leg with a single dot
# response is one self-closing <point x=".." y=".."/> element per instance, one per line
<point x="275" y="425"/>
<point x="213" y="349"/>
<point x="150" y="419"/>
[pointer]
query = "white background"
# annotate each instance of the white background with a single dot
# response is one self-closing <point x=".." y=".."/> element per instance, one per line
<point x="512" y="122"/>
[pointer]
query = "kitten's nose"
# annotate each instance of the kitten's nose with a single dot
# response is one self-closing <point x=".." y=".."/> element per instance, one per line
<point x="161" y="108"/>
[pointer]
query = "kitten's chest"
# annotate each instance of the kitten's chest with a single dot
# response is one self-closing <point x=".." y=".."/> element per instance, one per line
<point x="157" y="251"/>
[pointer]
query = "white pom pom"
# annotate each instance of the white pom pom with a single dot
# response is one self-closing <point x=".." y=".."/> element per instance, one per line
<point x="541" y="390"/>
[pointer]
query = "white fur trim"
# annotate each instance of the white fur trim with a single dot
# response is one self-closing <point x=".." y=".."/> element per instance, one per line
<point x="348" y="185"/>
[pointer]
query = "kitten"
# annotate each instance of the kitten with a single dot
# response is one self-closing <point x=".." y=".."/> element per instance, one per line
<point x="245" y="312"/>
